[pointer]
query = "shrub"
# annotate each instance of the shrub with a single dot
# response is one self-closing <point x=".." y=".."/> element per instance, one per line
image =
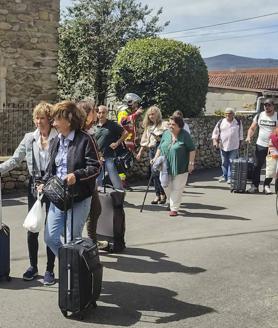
<point x="166" y="72"/>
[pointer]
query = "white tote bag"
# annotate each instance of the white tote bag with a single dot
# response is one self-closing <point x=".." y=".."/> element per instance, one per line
<point x="35" y="218"/>
<point x="270" y="166"/>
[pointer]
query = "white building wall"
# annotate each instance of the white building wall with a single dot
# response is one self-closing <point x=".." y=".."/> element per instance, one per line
<point x="218" y="99"/>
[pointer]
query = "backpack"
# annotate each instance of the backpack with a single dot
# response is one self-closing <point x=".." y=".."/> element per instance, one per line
<point x="220" y="121"/>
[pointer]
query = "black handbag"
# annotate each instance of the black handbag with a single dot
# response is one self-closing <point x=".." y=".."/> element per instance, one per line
<point x="57" y="193"/>
<point x="124" y="159"/>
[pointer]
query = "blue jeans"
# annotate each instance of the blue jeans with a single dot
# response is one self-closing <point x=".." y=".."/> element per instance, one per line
<point x="226" y="159"/>
<point x="110" y="168"/>
<point x="54" y="227"/>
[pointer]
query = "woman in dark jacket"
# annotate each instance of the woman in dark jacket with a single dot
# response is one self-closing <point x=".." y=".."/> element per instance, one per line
<point x="73" y="158"/>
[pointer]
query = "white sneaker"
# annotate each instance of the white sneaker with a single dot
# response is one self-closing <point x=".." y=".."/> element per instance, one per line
<point x="267" y="190"/>
<point x="229" y="181"/>
<point x="102" y="244"/>
<point x="222" y="179"/>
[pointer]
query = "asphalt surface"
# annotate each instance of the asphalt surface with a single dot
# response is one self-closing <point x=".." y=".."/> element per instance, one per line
<point x="215" y="265"/>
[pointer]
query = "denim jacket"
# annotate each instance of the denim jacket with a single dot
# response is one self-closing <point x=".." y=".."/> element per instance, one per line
<point x="24" y="151"/>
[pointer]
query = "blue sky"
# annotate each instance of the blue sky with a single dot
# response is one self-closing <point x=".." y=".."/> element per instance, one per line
<point x="257" y="38"/>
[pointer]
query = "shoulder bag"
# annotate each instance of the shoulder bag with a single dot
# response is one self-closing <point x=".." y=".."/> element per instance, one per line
<point x="57" y="193"/>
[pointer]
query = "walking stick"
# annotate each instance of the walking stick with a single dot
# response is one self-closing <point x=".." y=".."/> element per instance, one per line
<point x="142" y="206"/>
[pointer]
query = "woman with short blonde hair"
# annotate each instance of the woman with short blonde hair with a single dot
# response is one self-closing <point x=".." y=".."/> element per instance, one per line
<point x="34" y="148"/>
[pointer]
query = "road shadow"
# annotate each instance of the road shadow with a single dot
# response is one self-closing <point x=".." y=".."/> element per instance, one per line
<point x="205" y="186"/>
<point x="214" y="216"/>
<point x="188" y="191"/>
<point x="12" y="202"/>
<point x="202" y="206"/>
<point x="131" y="299"/>
<point x="156" y="262"/>
<point x="147" y="207"/>
<point x="199" y="175"/>
<point x="19" y="284"/>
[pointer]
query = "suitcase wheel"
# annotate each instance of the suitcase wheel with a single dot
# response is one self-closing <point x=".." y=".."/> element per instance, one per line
<point x="81" y="315"/>
<point x="110" y="247"/>
<point x="65" y="313"/>
<point x="8" y="278"/>
<point x="94" y="304"/>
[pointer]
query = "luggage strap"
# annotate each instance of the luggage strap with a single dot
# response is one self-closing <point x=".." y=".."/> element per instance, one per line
<point x="90" y="268"/>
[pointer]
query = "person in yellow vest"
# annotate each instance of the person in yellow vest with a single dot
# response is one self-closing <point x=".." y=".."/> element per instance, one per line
<point x="127" y="115"/>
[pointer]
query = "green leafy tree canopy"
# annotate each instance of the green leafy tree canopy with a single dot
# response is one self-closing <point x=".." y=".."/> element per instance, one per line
<point x="90" y="35"/>
<point x="169" y="73"/>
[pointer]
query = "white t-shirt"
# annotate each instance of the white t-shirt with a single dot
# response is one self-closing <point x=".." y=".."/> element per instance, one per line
<point x="266" y="125"/>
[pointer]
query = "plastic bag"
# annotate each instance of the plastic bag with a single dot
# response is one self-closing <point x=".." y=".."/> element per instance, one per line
<point x="270" y="166"/>
<point x="35" y="218"/>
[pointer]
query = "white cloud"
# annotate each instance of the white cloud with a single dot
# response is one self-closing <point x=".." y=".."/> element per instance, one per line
<point x="184" y="14"/>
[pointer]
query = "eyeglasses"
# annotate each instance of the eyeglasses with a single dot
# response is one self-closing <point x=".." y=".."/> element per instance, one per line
<point x="267" y="105"/>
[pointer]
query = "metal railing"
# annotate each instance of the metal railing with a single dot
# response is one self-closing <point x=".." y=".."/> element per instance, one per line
<point x="15" y="121"/>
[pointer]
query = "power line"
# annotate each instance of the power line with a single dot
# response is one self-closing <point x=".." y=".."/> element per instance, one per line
<point x="237" y="37"/>
<point x="223" y="32"/>
<point x="224" y="23"/>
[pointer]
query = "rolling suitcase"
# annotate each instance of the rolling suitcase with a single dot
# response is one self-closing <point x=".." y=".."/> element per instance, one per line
<point x="250" y="168"/>
<point x="4" y="246"/>
<point x="239" y="169"/>
<point x="111" y="222"/>
<point x="80" y="274"/>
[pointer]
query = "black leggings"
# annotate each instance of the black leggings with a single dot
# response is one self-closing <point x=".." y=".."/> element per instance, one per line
<point x="260" y="154"/>
<point x="32" y="238"/>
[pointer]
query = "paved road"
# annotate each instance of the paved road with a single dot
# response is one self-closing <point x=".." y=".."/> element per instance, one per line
<point x="214" y="266"/>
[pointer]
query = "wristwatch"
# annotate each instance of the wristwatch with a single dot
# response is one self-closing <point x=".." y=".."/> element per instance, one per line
<point x="191" y="163"/>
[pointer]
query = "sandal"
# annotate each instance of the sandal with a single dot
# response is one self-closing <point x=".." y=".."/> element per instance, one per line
<point x="162" y="199"/>
<point x="156" y="200"/>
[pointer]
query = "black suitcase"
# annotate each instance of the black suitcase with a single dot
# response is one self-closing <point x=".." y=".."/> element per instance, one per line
<point x="80" y="275"/>
<point x="4" y="246"/>
<point x="250" y="168"/>
<point x="239" y="169"/>
<point x="111" y="222"/>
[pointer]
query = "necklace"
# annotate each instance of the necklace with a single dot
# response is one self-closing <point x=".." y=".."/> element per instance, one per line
<point x="44" y="141"/>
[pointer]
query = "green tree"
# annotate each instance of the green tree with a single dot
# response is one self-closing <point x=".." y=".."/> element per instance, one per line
<point x="169" y="73"/>
<point x="91" y="34"/>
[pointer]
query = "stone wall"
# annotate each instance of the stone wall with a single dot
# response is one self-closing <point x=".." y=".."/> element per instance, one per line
<point x="28" y="50"/>
<point x="206" y="156"/>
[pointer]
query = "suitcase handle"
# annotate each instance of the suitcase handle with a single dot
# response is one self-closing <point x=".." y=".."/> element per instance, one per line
<point x="246" y="150"/>
<point x="66" y="213"/>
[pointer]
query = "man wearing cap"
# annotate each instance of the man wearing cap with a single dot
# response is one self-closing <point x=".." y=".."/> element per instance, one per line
<point x="267" y="122"/>
<point x="227" y="136"/>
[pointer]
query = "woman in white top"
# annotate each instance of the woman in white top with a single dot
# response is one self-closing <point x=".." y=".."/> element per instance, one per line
<point x="34" y="148"/>
<point x="153" y="130"/>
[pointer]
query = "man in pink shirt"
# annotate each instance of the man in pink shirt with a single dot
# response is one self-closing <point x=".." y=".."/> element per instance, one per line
<point x="227" y="136"/>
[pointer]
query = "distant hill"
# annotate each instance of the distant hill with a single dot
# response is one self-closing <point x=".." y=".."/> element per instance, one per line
<point x="226" y="61"/>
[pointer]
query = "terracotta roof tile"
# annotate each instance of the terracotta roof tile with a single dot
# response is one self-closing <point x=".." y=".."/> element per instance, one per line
<point x="256" y="79"/>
